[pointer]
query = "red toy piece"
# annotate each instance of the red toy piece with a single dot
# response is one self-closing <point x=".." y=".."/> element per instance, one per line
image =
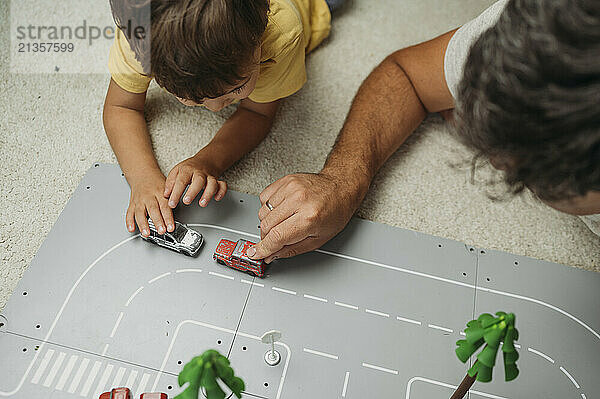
<point x="117" y="393"/>
<point x="233" y="254"/>
<point x="153" y="395"/>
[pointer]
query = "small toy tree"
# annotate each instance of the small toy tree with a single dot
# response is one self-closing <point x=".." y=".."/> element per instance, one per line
<point x="491" y="331"/>
<point x="203" y="371"/>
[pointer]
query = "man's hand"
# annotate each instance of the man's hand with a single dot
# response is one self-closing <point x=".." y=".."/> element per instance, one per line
<point x="308" y="210"/>
<point x="193" y="172"/>
<point x="146" y="200"/>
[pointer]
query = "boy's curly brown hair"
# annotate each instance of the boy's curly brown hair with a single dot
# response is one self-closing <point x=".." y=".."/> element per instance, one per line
<point x="194" y="48"/>
<point x="530" y="97"/>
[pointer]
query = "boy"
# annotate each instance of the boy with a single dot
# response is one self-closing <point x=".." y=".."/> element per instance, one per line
<point x="210" y="53"/>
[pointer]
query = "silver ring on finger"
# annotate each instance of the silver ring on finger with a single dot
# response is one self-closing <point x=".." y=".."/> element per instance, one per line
<point x="268" y="204"/>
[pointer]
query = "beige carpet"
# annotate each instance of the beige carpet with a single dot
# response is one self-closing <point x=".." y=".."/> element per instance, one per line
<point x="51" y="133"/>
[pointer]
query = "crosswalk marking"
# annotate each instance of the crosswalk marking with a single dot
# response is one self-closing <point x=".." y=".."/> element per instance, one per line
<point x="88" y="383"/>
<point x="143" y="383"/>
<point x="78" y="375"/>
<point x="66" y="372"/>
<point x="54" y="370"/>
<point x="104" y="379"/>
<point x="38" y="374"/>
<point x="131" y="379"/>
<point x="118" y="377"/>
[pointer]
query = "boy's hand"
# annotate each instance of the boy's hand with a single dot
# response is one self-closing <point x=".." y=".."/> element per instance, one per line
<point x="146" y="200"/>
<point x="193" y="172"/>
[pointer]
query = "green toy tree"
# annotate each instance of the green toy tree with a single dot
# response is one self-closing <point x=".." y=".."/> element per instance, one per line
<point x="491" y="331"/>
<point x="203" y="371"/>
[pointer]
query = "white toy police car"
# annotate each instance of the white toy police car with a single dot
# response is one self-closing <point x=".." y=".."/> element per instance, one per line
<point x="182" y="239"/>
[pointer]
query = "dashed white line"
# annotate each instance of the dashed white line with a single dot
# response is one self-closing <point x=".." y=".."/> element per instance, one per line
<point x="114" y="330"/>
<point x="377" y="313"/>
<point x="78" y="375"/>
<point x="408" y="320"/>
<point x="314" y="352"/>
<point x="54" y="370"/>
<point x="517" y="346"/>
<point x="131" y="379"/>
<point x="345" y="305"/>
<point x="570" y="377"/>
<point x="159" y="277"/>
<point x="252" y="283"/>
<point x="188" y="270"/>
<point x="104" y="379"/>
<point x="119" y="377"/>
<point x="38" y="374"/>
<point x="548" y="358"/>
<point x="284" y="290"/>
<point x="221" y="275"/>
<point x="463" y="334"/>
<point x="345" y="384"/>
<point x="88" y="383"/>
<point x="104" y="350"/>
<point x="440" y="328"/>
<point x="583" y="396"/>
<point x="66" y="372"/>
<point x="316" y="298"/>
<point x="133" y="295"/>
<point x="379" y="368"/>
<point x="143" y="382"/>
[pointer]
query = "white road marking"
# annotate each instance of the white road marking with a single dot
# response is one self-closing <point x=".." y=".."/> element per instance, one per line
<point x="284" y="290"/>
<point x="104" y="350"/>
<point x="463" y="334"/>
<point x="54" y="370"/>
<point x="188" y="270"/>
<point x="38" y="374"/>
<point x="379" y="368"/>
<point x="118" y="378"/>
<point x="408" y="320"/>
<point x="66" y="372"/>
<point x="440" y="328"/>
<point x="548" y="358"/>
<point x="346" y="305"/>
<point x="133" y="295"/>
<point x="442" y="384"/>
<point x="377" y="313"/>
<point x="316" y="298"/>
<point x="88" y="383"/>
<point x="114" y="330"/>
<point x="583" y="396"/>
<point x="252" y="283"/>
<point x="131" y="379"/>
<point x="103" y="380"/>
<point x="159" y="277"/>
<point x="345" y="384"/>
<point x="334" y="357"/>
<point x="570" y="377"/>
<point x="221" y="275"/>
<point x="143" y="383"/>
<point x="517" y="346"/>
<point x="80" y="371"/>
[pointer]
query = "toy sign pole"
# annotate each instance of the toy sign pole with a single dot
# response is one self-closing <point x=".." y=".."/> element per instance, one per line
<point x="272" y="357"/>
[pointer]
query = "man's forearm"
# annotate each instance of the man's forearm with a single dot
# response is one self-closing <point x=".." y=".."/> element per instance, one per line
<point x="385" y="111"/>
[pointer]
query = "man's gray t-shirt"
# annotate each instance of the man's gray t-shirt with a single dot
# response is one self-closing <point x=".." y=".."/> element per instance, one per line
<point x="456" y="57"/>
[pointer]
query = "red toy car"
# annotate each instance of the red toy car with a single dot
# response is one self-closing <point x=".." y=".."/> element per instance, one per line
<point x="233" y="254"/>
<point x="125" y="393"/>
<point x="117" y="393"/>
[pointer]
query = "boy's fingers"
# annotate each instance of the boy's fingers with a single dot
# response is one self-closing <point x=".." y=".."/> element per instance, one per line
<point x="197" y="184"/>
<point x="306" y="245"/>
<point x="285" y="233"/>
<point x="142" y="222"/>
<point x="222" y="190"/>
<point x="178" y="189"/>
<point x="167" y="214"/>
<point x="129" y="219"/>
<point x="209" y="191"/>
<point x="171" y="178"/>
<point x="155" y="215"/>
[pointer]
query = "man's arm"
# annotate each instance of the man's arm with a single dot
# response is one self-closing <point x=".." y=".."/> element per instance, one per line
<point x="309" y="209"/>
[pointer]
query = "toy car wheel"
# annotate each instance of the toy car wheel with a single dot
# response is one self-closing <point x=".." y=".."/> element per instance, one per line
<point x="221" y="262"/>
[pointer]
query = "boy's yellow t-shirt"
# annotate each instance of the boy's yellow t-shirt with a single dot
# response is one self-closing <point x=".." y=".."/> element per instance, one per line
<point x="294" y="28"/>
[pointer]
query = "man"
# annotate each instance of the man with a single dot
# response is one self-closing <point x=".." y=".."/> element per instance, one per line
<point x="523" y="79"/>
